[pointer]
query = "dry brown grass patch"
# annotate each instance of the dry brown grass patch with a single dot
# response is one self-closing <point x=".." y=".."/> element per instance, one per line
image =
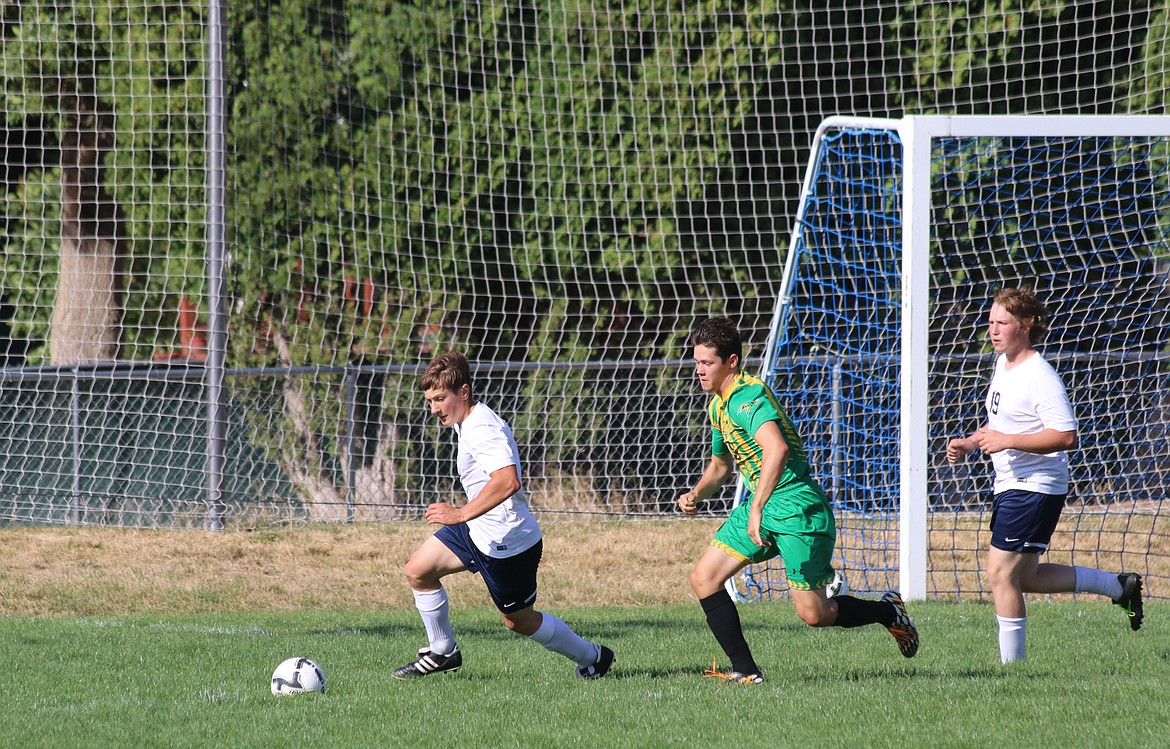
<point x="96" y="571"/>
<point x="106" y="571"/>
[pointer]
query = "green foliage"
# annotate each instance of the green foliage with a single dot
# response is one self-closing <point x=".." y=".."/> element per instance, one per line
<point x="531" y="185"/>
<point x="554" y="185"/>
<point x="204" y="680"/>
<point x="27" y="263"/>
<point x="1010" y="57"/>
<point x="144" y="64"/>
<point x="1145" y="90"/>
<point x="565" y="183"/>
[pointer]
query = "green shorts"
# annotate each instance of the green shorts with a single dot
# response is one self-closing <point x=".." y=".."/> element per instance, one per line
<point x="798" y="521"/>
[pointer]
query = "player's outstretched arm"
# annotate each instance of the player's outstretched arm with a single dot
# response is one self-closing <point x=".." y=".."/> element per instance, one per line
<point x="713" y="477"/>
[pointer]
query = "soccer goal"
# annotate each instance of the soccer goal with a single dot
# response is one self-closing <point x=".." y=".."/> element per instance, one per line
<point x="905" y="230"/>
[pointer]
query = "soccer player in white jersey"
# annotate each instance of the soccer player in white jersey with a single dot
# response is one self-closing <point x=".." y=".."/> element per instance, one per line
<point x="1029" y="428"/>
<point x="494" y="535"/>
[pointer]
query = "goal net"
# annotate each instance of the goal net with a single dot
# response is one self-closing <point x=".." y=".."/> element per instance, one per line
<point x="878" y="347"/>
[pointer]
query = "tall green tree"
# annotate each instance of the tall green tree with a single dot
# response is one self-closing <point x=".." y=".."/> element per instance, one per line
<point x="108" y="225"/>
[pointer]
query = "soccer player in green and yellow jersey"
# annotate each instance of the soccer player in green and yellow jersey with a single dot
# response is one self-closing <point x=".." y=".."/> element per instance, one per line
<point x="785" y="514"/>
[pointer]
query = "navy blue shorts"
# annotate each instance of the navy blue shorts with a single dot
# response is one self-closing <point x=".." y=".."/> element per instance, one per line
<point x="1024" y="521"/>
<point x="511" y="581"/>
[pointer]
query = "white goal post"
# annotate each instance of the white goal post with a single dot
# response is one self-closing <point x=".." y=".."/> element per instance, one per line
<point x="904" y="230"/>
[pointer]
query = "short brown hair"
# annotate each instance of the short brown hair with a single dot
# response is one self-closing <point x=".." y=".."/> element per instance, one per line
<point x="720" y="334"/>
<point x="450" y="371"/>
<point x="1023" y="305"/>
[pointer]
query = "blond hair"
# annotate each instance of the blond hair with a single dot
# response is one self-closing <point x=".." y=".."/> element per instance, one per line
<point x="1023" y="305"/>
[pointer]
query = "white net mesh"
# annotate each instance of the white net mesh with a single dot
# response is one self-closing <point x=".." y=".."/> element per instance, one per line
<point x="562" y="192"/>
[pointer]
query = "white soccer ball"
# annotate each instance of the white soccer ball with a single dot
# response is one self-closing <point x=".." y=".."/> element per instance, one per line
<point x="839" y="586"/>
<point x="297" y="675"/>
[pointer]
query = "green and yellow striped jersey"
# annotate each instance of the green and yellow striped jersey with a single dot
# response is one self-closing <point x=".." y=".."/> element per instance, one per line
<point x="735" y="417"/>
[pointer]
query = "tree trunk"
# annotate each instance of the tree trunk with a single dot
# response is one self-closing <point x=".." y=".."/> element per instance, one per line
<point x="86" y="326"/>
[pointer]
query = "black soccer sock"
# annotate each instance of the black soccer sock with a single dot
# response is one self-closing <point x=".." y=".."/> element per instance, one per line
<point x="723" y="619"/>
<point x="857" y="612"/>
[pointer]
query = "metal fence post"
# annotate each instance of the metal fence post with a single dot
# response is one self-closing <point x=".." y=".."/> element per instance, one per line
<point x="838" y="450"/>
<point x="350" y="469"/>
<point x="216" y="236"/>
<point x="75" y="415"/>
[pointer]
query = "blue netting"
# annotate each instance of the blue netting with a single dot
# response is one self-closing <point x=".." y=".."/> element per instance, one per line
<point x="1081" y="220"/>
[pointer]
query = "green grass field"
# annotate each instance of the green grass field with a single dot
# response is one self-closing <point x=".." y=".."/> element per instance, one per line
<point x="201" y="681"/>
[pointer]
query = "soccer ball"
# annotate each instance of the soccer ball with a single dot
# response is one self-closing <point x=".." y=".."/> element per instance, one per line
<point x="297" y="675"/>
<point x="839" y="586"/>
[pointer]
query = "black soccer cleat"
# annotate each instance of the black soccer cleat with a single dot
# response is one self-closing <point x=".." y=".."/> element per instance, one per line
<point x="902" y="628"/>
<point x="600" y="668"/>
<point x="1131" y="598"/>
<point x="430" y="663"/>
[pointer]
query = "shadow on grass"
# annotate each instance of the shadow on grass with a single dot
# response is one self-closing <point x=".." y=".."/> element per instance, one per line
<point x="991" y="672"/>
<point x="479" y="624"/>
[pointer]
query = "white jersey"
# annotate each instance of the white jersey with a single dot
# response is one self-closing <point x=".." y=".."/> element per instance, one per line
<point x="486" y="445"/>
<point x="1026" y="399"/>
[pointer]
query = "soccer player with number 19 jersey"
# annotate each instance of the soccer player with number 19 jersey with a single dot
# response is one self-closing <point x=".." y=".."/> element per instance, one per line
<point x="1029" y="428"/>
<point x="786" y="513"/>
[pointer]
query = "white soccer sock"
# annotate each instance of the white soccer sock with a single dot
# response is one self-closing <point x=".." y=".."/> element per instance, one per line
<point x="1011" y="638"/>
<point x="1101" y="582"/>
<point x="556" y="636"/>
<point x="433" y="607"/>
